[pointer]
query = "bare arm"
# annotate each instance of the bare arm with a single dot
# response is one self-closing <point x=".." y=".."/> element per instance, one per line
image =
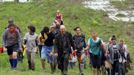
<point x="87" y="47"/>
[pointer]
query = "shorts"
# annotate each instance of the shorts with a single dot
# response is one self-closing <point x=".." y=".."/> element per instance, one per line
<point x="45" y="53"/>
<point x="96" y="61"/>
<point x="11" y="49"/>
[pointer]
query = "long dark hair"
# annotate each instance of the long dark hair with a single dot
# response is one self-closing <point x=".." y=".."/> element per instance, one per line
<point x="44" y="30"/>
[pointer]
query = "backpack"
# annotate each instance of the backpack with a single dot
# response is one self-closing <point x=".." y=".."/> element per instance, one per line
<point x="122" y="54"/>
<point x="115" y="53"/>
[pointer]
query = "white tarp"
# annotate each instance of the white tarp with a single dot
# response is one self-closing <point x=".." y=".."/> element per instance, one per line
<point x="6" y="0"/>
<point x="23" y="1"/>
<point x="106" y="6"/>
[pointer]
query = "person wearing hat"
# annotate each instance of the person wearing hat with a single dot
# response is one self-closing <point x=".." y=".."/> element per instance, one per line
<point x="12" y="42"/>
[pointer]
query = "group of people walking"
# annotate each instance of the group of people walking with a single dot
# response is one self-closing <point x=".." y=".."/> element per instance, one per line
<point x="56" y="46"/>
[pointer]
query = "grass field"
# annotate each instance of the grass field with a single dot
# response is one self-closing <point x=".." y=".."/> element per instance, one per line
<point x="23" y="70"/>
<point x="41" y="13"/>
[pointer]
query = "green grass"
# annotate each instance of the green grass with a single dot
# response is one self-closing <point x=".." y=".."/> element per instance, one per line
<point x="41" y="13"/>
<point x="23" y="69"/>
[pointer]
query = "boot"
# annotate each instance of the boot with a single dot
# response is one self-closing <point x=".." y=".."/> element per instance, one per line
<point x="81" y="68"/>
<point x="29" y="65"/>
<point x="65" y="72"/>
<point x="32" y="66"/>
<point x="52" y="68"/>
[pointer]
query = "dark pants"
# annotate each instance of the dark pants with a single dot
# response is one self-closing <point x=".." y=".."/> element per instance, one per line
<point x="63" y="62"/>
<point x="54" y="63"/>
<point x="31" y="59"/>
<point x="95" y="61"/>
<point x="121" y="69"/>
<point x="115" y="68"/>
<point x="109" y="71"/>
<point x="72" y="64"/>
<point x="11" y="49"/>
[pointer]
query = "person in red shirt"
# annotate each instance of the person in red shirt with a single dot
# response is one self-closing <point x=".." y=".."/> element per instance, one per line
<point x="59" y="17"/>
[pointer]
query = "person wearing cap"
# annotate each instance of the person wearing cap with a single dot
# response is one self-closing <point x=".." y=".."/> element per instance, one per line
<point x="12" y="43"/>
<point x="64" y="45"/>
<point x="10" y="22"/>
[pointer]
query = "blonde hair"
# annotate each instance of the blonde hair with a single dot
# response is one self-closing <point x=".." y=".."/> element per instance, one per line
<point x="110" y="39"/>
<point x="58" y="11"/>
<point x="122" y="40"/>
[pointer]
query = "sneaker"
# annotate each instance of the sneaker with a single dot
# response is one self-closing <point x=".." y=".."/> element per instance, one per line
<point x="80" y="73"/>
<point x="13" y="69"/>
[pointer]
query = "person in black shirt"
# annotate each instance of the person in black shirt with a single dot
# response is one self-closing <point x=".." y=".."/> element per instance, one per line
<point x="46" y="51"/>
<point x="79" y="42"/>
<point x="64" y="44"/>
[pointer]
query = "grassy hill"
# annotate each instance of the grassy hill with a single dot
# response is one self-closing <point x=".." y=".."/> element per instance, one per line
<point x="42" y="12"/>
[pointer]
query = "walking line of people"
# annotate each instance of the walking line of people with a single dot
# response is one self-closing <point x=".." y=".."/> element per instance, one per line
<point x="61" y="49"/>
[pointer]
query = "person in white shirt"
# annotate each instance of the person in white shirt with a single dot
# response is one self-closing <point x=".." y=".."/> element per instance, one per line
<point x="30" y="40"/>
